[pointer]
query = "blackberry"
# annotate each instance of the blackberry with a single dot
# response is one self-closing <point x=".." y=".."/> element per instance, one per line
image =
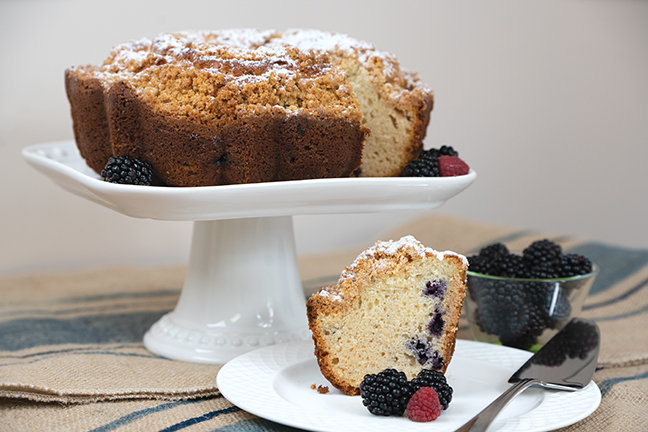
<point x="386" y="393"/>
<point x="127" y="170"/>
<point x="512" y="266"/>
<point x="542" y="251"/>
<point x="486" y="262"/>
<point x="436" y="380"/>
<point x="524" y="341"/>
<point x="518" y="312"/>
<point x="502" y="307"/>
<point x="577" y="340"/>
<point x="573" y="265"/>
<point x="545" y="270"/>
<point x="447" y="151"/>
<point x="427" y="163"/>
<point x="557" y="304"/>
<point x="494" y="251"/>
<point x="479" y="264"/>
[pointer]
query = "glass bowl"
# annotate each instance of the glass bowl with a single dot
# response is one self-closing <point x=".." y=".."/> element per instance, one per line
<point x="523" y="313"/>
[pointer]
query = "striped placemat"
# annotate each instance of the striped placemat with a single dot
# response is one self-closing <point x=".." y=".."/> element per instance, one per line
<point x="71" y="356"/>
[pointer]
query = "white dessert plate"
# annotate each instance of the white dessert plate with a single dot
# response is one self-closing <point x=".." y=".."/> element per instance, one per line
<point x="62" y="163"/>
<point x="275" y="383"/>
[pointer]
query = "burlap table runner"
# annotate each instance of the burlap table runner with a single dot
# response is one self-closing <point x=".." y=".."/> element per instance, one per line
<point x="71" y="356"/>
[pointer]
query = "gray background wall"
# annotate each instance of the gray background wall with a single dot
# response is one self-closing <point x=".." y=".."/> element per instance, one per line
<point x="548" y="102"/>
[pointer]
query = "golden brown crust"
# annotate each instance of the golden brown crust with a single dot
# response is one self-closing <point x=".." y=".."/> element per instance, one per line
<point x="248" y="149"/>
<point x="322" y="353"/>
<point x="455" y="296"/>
<point x="422" y="112"/>
<point x="195" y="104"/>
<point x="90" y="123"/>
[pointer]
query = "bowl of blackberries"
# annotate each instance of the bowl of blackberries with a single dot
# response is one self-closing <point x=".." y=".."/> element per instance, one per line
<point x="522" y="299"/>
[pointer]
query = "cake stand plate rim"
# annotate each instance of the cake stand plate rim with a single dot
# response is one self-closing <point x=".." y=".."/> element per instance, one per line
<point x="62" y="163"/>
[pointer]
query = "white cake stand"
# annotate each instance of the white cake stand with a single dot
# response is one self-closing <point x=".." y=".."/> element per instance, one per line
<point x="242" y="289"/>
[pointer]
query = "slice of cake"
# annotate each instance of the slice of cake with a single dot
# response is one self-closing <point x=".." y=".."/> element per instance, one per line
<point x="397" y="306"/>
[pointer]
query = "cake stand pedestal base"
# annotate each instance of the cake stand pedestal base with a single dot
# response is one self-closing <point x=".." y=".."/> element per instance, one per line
<point x="242" y="291"/>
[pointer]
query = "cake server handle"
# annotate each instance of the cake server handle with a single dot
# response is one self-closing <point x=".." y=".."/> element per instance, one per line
<point x="483" y="419"/>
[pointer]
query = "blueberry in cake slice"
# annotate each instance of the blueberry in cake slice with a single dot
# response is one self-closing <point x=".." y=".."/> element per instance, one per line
<point x="396" y="306"/>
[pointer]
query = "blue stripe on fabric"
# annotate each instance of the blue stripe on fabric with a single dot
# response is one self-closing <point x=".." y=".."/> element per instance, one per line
<point x="615" y="263"/>
<point x="619" y="298"/>
<point x="256" y="425"/>
<point x="136" y="415"/>
<point x="607" y="384"/>
<point x="639" y="311"/>
<point x="119" y="295"/>
<point x="34" y="313"/>
<point x="200" y="419"/>
<point x="25" y="333"/>
<point x="89" y="299"/>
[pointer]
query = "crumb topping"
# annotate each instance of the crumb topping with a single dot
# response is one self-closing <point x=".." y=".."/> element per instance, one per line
<point x="393" y="248"/>
<point x="407" y="245"/>
<point x="218" y="75"/>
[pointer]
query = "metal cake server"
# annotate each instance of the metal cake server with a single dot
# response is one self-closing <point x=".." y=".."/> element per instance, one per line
<point x="566" y="362"/>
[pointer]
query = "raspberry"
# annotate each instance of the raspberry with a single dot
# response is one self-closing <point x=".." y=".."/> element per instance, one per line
<point x="436" y="380"/>
<point x="389" y="392"/>
<point x="427" y="163"/>
<point x="127" y="170"/>
<point x="450" y="166"/>
<point x="424" y="405"/>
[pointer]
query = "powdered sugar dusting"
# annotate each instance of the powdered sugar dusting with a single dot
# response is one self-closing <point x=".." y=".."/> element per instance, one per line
<point x="200" y="73"/>
<point x="307" y="40"/>
<point x="236" y="38"/>
<point x="322" y="41"/>
<point x="334" y="296"/>
<point x="391" y="248"/>
<point x="268" y="44"/>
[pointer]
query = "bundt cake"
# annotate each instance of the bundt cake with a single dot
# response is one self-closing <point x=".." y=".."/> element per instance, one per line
<point x="244" y="106"/>
<point x="396" y="306"/>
